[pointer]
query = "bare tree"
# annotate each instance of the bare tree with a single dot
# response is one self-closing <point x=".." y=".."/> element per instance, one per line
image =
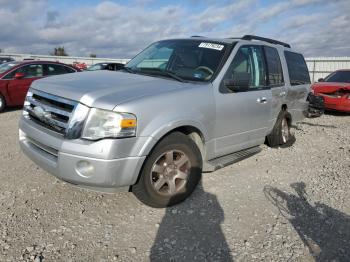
<point x="59" y="51"/>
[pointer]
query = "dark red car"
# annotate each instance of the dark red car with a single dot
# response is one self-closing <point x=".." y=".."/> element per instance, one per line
<point x="16" y="78"/>
<point x="335" y="89"/>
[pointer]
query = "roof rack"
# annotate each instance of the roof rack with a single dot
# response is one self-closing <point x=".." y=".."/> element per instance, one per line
<point x="269" y="40"/>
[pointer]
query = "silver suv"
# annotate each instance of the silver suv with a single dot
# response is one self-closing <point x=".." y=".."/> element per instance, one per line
<point x="179" y="108"/>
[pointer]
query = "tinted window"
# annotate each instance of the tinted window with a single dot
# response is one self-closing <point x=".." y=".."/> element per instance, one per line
<point x="248" y="67"/>
<point x="53" y="69"/>
<point x="69" y="70"/>
<point x="29" y="71"/>
<point x="339" y="76"/>
<point x="298" y="71"/>
<point x="274" y="67"/>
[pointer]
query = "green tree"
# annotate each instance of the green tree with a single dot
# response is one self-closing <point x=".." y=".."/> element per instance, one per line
<point x="59" y="51"/>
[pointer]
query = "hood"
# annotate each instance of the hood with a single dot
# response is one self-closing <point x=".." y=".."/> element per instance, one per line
<point x="329" y="87"/>
<point x="106" y="89"/>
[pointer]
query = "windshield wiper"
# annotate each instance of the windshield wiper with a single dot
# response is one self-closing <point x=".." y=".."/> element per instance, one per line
<point x="163" y="73"/>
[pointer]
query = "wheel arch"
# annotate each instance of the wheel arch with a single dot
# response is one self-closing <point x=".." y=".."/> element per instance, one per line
<point x="193" y="132"/>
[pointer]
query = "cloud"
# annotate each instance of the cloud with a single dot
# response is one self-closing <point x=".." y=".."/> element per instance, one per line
<point x="120" y="30"/>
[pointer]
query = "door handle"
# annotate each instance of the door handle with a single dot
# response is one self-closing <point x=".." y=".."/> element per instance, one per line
<point x="261" y="100"/>
<point x="283" y="93"/>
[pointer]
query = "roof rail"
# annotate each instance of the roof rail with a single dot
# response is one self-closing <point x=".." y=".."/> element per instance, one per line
<point x="269" y="40"/>
<point x="197" y="36"/>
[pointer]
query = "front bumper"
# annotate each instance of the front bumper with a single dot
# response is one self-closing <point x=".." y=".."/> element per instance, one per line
<point x="100" y="165"/>
<point x="316" y="105"/>
<point x="336" y="103"/>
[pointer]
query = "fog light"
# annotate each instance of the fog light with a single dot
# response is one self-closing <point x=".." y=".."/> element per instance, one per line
<point x="84" y="168"/>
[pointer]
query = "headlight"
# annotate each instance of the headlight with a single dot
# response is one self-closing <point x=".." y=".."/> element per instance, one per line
<point x="109" y="124"/>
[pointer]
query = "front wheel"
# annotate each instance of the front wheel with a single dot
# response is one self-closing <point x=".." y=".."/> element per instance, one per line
<point x="280" y="134"/>
<point x="171" y="172"/>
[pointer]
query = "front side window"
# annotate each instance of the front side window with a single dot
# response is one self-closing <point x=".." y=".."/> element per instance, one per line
<point x="297" y="68"/>
<point x="339" y="77"/>
<point x="274" y="67"/>
<point x="248" y="68"/>
<point x="29" y="71"/>
<point x="192" y="60"/>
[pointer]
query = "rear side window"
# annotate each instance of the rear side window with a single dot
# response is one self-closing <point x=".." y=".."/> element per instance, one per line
<point x="274" y="67"/>
<point x="53" y="69"/>
<point x="297" y="68"/>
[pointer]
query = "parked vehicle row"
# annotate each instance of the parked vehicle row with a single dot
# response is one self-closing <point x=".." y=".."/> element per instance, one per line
<point x="106" y="66"/>
<point x="16" y="78"/>
<point x="6" y="59"/>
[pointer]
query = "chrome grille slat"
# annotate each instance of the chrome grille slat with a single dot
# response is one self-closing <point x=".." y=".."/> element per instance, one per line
<point x="58" y="123"/>
<point x="49" y="111"/>
<point x="50" y="108"/>
<point x="55" y="98"/>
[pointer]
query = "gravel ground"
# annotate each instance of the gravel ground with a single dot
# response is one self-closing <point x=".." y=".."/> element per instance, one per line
<point x="286" y="204"/>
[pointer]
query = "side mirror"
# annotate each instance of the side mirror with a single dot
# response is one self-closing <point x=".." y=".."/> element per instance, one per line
<point x="236" y="86"/>
<point x="321" y="80"/>
<point x="19" y="75"/>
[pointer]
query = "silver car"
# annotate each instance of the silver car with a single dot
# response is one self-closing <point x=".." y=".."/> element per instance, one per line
<point x="179" y="108"/>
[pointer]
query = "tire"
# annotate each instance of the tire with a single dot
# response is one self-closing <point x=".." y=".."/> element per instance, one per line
<point x="170" y="173"/>
<point x="2" y="103"/>
<point x="280" y="134"/>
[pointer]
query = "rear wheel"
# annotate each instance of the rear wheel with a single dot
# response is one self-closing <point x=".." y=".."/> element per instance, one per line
<point x="170" y="173"/>
<point x="280" y="134"/>
<point x="2" y="103"/>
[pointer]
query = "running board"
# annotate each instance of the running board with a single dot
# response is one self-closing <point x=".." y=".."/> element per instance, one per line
<point x="226" y="160"/>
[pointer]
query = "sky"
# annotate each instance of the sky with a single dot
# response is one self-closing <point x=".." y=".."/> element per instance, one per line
<point x="121" y="29"/>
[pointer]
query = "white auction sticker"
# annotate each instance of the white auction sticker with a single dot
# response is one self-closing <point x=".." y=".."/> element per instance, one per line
<point x="211" y="46"/>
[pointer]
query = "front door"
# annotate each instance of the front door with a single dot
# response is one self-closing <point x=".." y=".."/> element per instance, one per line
<point x="18" y="87"/>
<point x="243" y="117"/>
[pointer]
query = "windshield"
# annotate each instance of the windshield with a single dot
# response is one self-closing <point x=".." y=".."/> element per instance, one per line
<point x="192" y="60"/>
<point x="6" y="66"/>
<point x="339" y="77"/>
<point x="96" y="67"/>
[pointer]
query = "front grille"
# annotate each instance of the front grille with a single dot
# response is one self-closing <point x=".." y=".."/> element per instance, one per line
<point x="49" y="111"/>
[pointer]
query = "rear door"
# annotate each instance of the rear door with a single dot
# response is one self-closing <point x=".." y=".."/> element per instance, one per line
<point x="243" y="117"/>
<point x="299" y="88"/>
<point x="18" y="88"/>
<point x="275" y="80"/>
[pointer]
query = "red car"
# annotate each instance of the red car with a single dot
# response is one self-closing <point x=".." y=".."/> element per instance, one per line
<point x="335" y="89"/>
<point x="16" y="78"/>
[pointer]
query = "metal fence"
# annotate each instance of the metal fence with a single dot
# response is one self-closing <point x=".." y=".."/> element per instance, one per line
<point x="63" y="59"/>
<point x="320" y="67"/>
